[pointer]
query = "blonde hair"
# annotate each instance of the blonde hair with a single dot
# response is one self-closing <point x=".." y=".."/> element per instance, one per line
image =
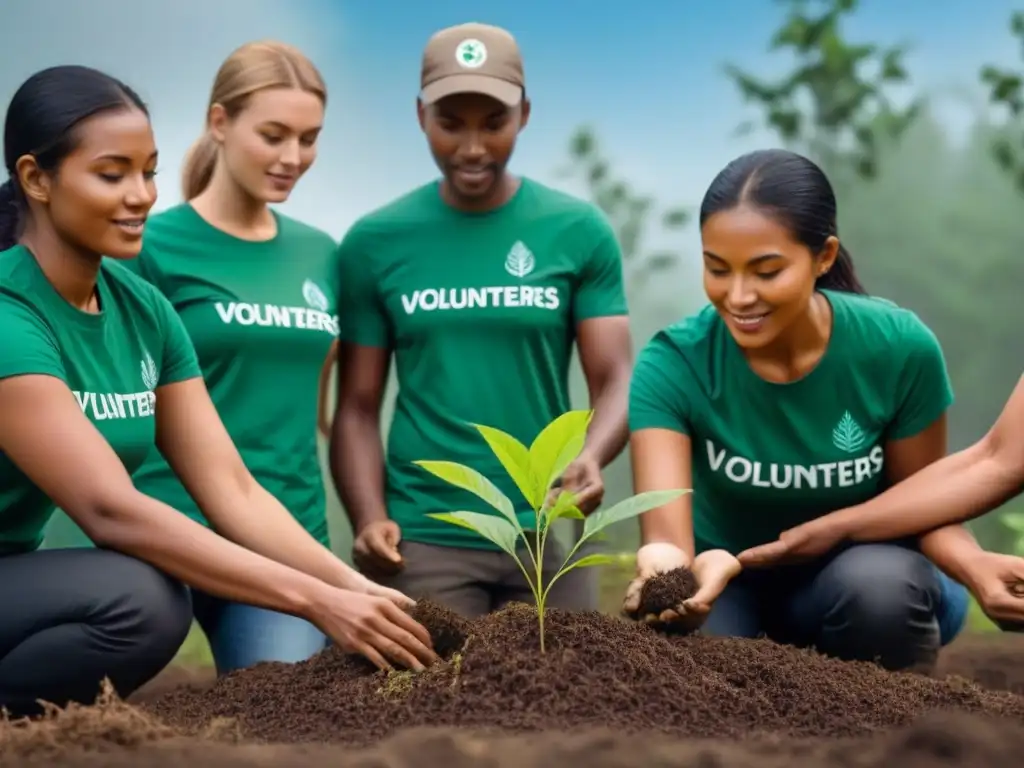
<point x="251" y="68"/>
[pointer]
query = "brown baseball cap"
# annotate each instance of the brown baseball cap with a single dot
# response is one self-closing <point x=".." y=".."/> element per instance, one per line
<point x="472" y="58"/>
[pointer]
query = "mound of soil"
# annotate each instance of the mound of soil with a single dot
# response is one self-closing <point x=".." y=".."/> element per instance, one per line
<point x="666" y="591"/>
<point x="598" y="672"/>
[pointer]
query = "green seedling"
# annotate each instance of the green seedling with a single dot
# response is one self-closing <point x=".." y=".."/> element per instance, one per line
<point x="536" y="472"/>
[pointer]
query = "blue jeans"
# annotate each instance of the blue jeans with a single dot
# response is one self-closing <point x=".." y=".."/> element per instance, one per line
<point x="882" y="602"/>
<point x="242" y="635"/>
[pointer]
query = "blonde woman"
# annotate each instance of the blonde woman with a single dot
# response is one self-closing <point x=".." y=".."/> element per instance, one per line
<point x="255" y="291"/>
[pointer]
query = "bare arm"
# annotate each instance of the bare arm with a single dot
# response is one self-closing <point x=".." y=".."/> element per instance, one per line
<point x="606" y="356"/>
<point x="661" y="460"/>
<point x="198" y="448"/>
<point x="356" y="452"/>
<point x="46" y="435"/>
<point x="954" y="489"/>
<point x="323" y="417"/>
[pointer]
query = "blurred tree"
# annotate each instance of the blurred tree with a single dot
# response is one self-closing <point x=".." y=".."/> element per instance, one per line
<point x="825" y="105"/>
<point x="630" y="213"/>
<point x="1006" y="88"/>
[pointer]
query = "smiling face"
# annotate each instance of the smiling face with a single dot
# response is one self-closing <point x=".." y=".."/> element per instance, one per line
<point x="101" y="193"/>
<point x="471" y="137"/>
<point x="759" y="278"/>
<point x="270" y="143"/>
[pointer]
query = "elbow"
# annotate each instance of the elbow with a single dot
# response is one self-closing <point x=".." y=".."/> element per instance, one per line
<point x="108" y="519"/>
<point x="1004" y="453"/>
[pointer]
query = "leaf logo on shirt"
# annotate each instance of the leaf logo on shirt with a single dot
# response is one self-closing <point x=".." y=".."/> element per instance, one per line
<point x="314" y="296"/>
<point x="520" y="261"/>
<point x="150" y="375"/>
<point x="847" y="435"/>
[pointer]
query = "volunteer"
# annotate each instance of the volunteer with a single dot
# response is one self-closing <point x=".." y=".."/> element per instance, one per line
<point x="478" y="285"/>
<point x="793" y="394"/>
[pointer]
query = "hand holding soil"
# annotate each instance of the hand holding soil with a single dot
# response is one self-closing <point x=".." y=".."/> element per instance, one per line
<point x="373" y="627"/>
<point x="679" y="598"/>
<point x="375" y="549"/>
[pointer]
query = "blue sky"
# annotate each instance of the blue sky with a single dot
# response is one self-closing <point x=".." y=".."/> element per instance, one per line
<point x="646" y="74"/>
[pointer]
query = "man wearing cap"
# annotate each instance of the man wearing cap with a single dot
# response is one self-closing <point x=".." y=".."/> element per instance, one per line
<point x="478" y="284"/>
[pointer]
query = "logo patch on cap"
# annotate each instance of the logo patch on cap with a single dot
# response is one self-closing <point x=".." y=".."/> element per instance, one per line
<point x="471" y="54"/>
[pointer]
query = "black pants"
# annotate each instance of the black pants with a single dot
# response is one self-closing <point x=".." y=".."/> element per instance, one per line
<point x="70" y="617"/>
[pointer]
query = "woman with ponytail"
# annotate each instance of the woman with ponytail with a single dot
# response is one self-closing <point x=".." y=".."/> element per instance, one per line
<point x="793" y="394"/>
<point x="256" y="292"/>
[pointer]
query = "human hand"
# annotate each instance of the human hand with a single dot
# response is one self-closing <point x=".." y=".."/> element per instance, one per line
<point x="803" y="542"/>
<point x="357" y="582"/>
<point x="372" y="626"/>
<point x="583" y="479"/>
<point x="375" y="549"/>
<point x="997" y="582"/>
<point x="712" y="570"/>
<point x="652" y="560"/>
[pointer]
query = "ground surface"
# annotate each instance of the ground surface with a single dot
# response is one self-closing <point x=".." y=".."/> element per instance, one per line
<point x="608" y="693"/>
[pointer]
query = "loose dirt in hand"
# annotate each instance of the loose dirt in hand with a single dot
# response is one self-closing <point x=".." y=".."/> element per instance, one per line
<point x="597" y="672"/>
<point x="666" y="591"/>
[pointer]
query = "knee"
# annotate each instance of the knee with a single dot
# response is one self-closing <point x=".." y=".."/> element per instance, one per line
<point x="879" y="589"/>
<point x="152" y="609"/>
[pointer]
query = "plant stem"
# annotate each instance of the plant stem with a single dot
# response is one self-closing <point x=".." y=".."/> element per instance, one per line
<point x="540" y="587"/>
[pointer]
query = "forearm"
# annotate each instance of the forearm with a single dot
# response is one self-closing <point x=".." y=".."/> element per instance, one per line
<point x="253" y="518"/>
<point x="609" y="427"/>
<point x="357" y="466"/>
<point x="957" y="488"/>
<point x="951" y="549"/>
<point x="668" y="525"/>
<point x="153" y="532"/>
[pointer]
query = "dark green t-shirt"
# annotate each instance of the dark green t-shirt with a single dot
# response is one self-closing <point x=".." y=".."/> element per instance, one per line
<point x="113" y="361"/>
<point x="769" y="456"/>
<point x="262" y="317"/>
<point x="480" y="311"/>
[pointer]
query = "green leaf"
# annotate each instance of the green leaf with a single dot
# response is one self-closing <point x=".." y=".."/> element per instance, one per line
<point x="590" y="560"/>
<point x="564" y="507"/>
<point x="470" y="480"/>
<point x="490" y="527"/>
<point x="627" y="508"/>
<point x="557" y="446"/>
<point x="515" y="458"/>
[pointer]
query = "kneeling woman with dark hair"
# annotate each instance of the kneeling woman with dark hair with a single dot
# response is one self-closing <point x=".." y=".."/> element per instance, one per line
<point x="95" y="368"/>
<point x="792" y="395"/>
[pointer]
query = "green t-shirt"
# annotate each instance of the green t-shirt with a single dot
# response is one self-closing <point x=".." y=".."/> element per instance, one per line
<point x="113" y="361"/>
<point x="769" y="456"/>
<point x="480" y="311"/>
<point x="262" y="317"/>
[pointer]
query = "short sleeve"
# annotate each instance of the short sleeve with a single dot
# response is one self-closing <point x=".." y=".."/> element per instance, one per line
<point x="180" y="362"/>
<point x="29" y="345"/>
<point x="923" y="387"/>
<point x="601" y="289"/>
<point x="657" y="396"/>
<point x="361" y="315"/>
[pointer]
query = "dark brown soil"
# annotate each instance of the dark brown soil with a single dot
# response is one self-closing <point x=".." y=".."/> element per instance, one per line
<point x="597" y="672"/>
<point x="713" y="703"/>
<point x="666" y="591"/>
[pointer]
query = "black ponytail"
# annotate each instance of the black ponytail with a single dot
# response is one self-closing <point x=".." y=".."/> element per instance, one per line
<point x="842" y="276"/>
<point x="795" y="192"/>
<point x="10" y="215"/>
